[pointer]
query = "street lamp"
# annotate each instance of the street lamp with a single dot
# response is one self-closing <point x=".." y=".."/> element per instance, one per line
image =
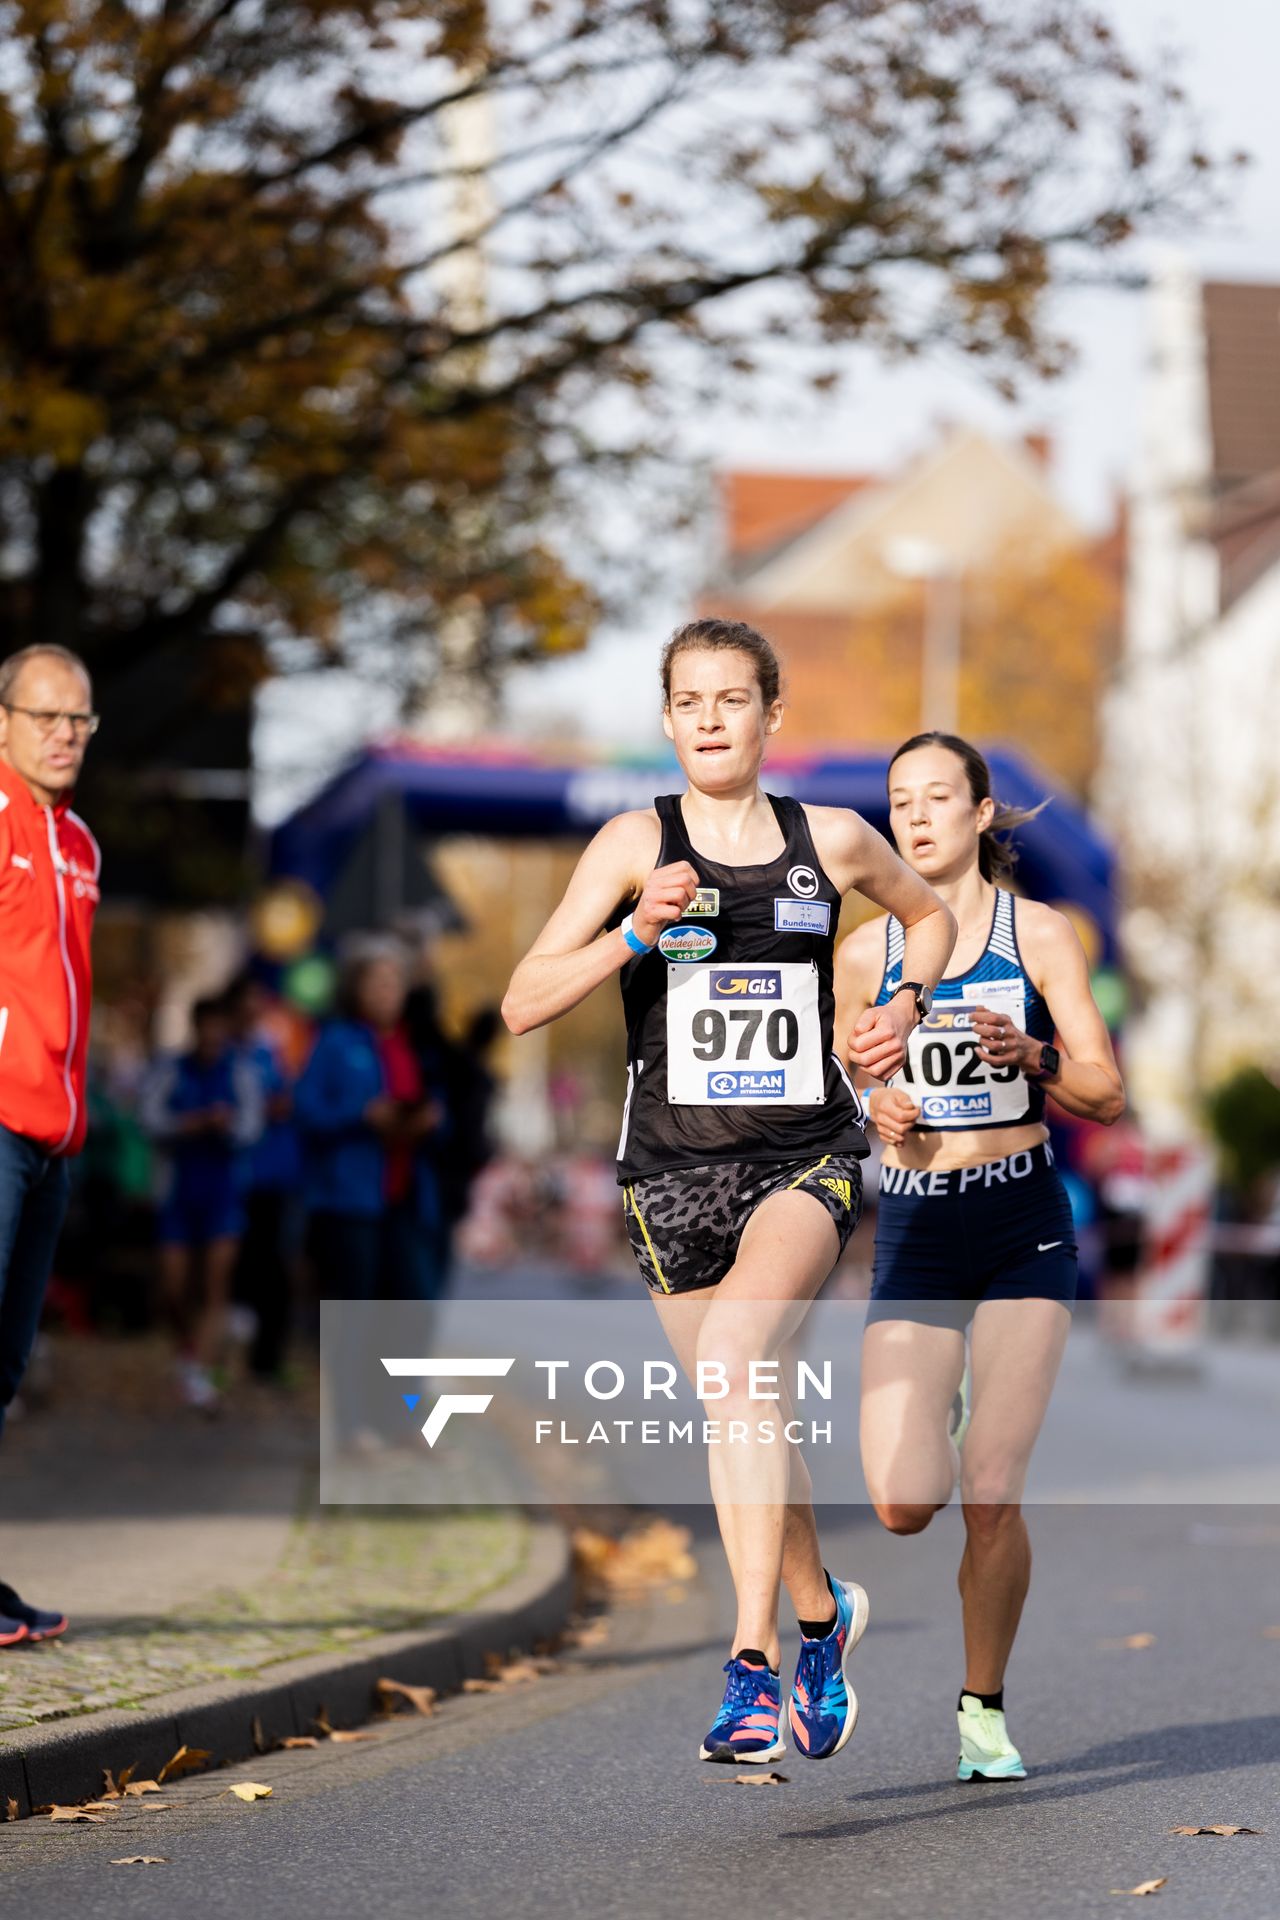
<point x="909" y="558"/>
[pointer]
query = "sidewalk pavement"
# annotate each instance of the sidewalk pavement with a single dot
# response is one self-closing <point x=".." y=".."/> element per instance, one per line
<point x="198" y="1572"/>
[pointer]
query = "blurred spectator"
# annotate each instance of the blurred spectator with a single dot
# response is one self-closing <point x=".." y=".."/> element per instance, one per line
<point x="367" y="1115"/>
<point x="460" y="1071"/>
<point x="272" y="1175"/>
<point x="107" y="1252"/>
<point x="204" y="1108"/>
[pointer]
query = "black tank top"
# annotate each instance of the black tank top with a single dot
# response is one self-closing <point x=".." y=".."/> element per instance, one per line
<point x="730" y="1017"/>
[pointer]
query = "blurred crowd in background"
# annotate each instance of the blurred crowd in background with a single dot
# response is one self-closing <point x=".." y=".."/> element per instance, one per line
<point x="273" y="1161"/>
<point x="281" y="1157"/>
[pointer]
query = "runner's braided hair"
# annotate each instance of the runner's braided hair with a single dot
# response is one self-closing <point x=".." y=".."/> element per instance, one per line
<point x="997" y="858"/>
<point x="727" y="636"/>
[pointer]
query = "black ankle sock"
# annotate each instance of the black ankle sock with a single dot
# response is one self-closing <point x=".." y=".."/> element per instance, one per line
<point x="984" y="1699"/>
<point x="753" y="1658"/>
<point x="819" y="1629"/>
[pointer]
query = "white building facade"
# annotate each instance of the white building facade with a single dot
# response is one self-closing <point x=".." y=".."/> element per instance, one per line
<point x="1189" y="784"/>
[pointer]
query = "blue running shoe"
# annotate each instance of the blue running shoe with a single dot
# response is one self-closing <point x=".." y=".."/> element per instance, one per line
<point x="39" y="1622"/>
<point x="824" y="1707"/>
<point x="746" y="1727"/>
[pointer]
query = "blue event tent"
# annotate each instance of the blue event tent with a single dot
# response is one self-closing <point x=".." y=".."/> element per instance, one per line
<point x="512" y="794"/>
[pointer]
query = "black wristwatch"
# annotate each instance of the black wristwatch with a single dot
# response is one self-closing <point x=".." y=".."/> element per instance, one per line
<point x="1050" y="1063"/>
<point x="922" y="995"/>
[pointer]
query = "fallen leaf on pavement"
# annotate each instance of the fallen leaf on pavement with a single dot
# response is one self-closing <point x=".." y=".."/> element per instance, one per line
<point x="586" y="1633"/>
<point x="321" y="1723"/>
<point x="340" y="1736"/>
<point x="1226" y="1832"/>
<point x="1129" y="1642"/>
<point x="11" y="1809"/>
<point x="482" y="1686"/>
<point x="1144" y="1886"/>
<point x="136" y="1787"/>
<point x="520" y="1672"/>
<point x="113" y="1785"/>
<point x="655" y="1555"/>
<point x="292" y="1740"/>
<point x="156" y="1806"/>
<point x="391" y="1692"/>
<point x="77" y="1813"/>
<point x="142" y="1860"/>
<point x="185" y="1760"/>
<point x="250" y="1790"/>
<point x="1271" y="1633"/>
<point x="752" y="1780"/>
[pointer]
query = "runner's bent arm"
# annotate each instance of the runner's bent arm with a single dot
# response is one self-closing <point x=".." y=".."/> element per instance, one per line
<point x="858" y="858"/>
<point x="569" y="959"/>
<point x="858" y="972"/>
<point x="1089" y="1083"/>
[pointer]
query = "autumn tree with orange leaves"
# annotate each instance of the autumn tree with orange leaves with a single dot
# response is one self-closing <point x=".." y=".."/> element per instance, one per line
<point x="242" y="407"/>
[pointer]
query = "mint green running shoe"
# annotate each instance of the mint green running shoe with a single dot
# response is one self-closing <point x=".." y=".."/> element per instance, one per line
<point x="986" y="1751"/>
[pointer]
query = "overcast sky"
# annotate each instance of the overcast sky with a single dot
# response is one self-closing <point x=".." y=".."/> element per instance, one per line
<point x="883" y="416"/>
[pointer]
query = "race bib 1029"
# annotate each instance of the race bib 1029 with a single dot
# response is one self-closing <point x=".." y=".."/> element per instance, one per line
<point x="944" y="1075"/>
<point x="744" y="1035"/>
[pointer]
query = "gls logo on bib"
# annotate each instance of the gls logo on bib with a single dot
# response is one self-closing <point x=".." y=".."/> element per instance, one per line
<point x="804" y="881"/>
<point x="747" y="983"/>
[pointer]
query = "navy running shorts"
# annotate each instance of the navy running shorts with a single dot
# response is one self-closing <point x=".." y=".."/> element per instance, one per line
<point x="684" y="1225"/>
<point x="945" y="1242"/>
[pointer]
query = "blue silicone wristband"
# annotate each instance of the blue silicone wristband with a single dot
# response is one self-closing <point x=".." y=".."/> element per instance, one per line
<point x="632" y="938"/>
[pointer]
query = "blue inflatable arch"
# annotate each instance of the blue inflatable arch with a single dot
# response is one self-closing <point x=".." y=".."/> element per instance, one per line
<point x="512" y="795"/>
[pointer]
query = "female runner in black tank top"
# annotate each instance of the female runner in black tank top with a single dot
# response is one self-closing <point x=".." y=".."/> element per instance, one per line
<point x="974" y="1225"/>
<point x="721" y="1146"/>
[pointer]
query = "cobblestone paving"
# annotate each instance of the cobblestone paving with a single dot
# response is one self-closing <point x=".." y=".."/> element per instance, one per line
<point x="110" y="1492"/>
<point x="344" y="1577"/>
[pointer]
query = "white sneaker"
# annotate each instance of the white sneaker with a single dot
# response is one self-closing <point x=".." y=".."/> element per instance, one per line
<point x="986" y="1751"/>
<point x="196" y="1389"/>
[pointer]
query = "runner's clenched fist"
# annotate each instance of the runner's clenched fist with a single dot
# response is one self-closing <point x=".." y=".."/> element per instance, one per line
<point x="878" y="1043"/>
<point x="893" y="1114"/>
<point x="667" y="893"/>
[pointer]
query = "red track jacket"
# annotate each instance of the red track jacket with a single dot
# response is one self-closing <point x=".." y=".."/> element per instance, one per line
<point x="49" y="866"/>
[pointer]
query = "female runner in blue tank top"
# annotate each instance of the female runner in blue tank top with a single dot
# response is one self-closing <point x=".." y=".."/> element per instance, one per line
<point x="742" y="1133"/>
<point x="973" y="1220"/>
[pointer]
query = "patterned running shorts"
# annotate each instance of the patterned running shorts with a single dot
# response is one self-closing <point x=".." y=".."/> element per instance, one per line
<point x="684" y="1225"/>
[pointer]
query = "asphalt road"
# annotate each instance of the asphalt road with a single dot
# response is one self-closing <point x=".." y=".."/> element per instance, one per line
<point x="580" y="1794"/>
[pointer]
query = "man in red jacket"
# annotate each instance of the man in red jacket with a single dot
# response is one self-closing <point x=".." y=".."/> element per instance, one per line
<point x="49" y="865"/>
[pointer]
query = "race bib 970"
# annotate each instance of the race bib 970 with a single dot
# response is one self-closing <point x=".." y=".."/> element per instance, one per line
<point x="744" y="1035"/>
<point x="944" y="1075"/>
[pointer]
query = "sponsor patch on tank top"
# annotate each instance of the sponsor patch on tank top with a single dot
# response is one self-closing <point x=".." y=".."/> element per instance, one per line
<point x="705" y="904"/>
<point x="801" y="916"/>
<point x="686" y="943"/>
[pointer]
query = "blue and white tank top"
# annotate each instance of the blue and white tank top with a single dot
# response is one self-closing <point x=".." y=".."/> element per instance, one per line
<point x="954" y="1089"/>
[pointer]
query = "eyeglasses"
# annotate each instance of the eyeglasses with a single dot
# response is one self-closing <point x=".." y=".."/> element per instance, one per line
<point x="46" y="722"/>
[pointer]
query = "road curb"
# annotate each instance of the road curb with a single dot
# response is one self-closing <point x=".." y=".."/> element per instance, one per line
<point x="64" y="1759"/>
